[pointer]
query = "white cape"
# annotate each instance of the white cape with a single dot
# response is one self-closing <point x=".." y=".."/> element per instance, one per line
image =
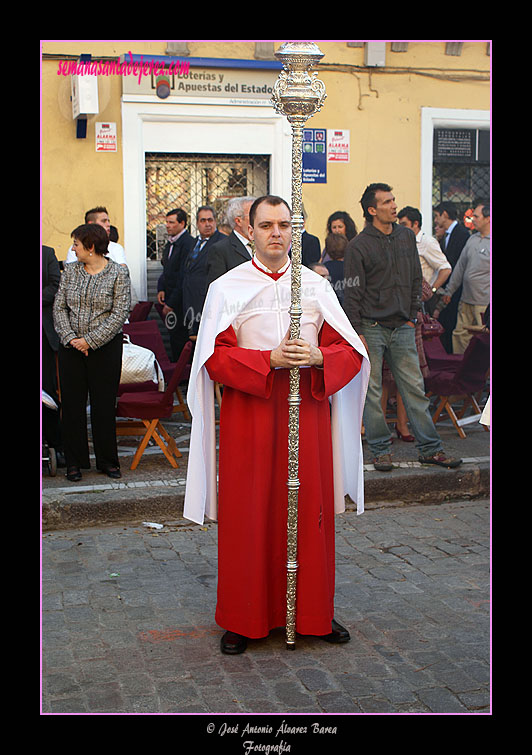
<point x="238" y="296"/>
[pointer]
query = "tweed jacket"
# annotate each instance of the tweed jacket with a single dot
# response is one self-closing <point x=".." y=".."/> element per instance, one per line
<point x="93" y="307"/>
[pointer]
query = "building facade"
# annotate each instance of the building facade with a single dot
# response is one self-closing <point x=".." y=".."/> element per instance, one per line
<point x="144" y="127"/>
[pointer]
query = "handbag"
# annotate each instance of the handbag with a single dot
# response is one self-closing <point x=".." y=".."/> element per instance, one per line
<point x="139" y="365"/>
<point x="430" y="327"/>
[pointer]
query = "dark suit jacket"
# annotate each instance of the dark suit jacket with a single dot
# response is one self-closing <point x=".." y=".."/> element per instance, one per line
<point x="171" y="279"/>
<point x="449" y="314"/>
<point x="195" y="283"/>
<point x="310" y="249"/>
<point x="456" y="243"/>
<point x="226" y="254"/>
<point x="51" y="275"/>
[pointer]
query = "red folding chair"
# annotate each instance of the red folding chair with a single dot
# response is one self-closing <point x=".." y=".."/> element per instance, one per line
<point x="147" y="409"/>
<point x="140" y="311"/>
<point x="147" y="334"/>
<point x="461" y="383"/>
<point x="436" y="356"/>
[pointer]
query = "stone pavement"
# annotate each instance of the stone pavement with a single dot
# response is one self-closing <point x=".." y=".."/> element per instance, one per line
<point x="155" y="490"/>
<point x="128" y="627"/>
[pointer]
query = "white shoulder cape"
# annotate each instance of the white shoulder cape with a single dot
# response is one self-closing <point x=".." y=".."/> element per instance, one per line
<point x="239" y="291"/>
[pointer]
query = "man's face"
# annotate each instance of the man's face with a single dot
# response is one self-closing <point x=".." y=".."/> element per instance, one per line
<point x="206" y="223"/>
<point x="322" y="270"/>
<point x="409" y="224"/>
<point x="406" y="222"/>
<point x="480" y="223"/>
<point x="242" y="220"/>
<point x="272" y="234"/>
<point x="102" y="218"/>
<point x="439" y="231"/>
<point x="385" y="210"/>
<point x="173" y="226"/>
<point x="442" y="220"/>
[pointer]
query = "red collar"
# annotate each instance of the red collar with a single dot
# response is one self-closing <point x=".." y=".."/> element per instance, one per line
<point x="275" y="276"/>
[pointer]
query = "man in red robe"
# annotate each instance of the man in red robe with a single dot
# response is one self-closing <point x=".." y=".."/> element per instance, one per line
<point x="243" y="343"/>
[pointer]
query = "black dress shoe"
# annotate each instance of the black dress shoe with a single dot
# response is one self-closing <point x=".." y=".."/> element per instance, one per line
<point x="233" y="643"/>
<point x="113" y="472"/>
<point x="73" y="474"/>
<point x="339" y="634"/>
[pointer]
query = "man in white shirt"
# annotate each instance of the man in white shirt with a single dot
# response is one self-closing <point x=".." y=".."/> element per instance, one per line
<point x="434" y="264"/>
<point x="115" y="251"/>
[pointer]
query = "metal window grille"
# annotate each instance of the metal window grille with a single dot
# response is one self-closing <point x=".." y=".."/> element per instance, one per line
<point x="461" y="167"/>
<point x="190" y="181"/>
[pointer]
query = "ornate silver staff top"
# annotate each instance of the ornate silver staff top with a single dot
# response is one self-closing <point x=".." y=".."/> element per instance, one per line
<point x="298" y="95"/>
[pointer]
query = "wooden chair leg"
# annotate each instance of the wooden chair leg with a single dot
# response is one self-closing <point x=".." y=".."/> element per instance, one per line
<point x="454" y="418"/>
<point x="150" y="427"/>
<point x="157" y="438"/>
<point x="439" y="410"/>
<point x="170" y="442"/>
<point x="181" y="406"/>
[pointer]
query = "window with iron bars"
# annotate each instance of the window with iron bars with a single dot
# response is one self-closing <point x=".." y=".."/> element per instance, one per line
<point x="191" y="181"/>
<point x="461" y="167"/>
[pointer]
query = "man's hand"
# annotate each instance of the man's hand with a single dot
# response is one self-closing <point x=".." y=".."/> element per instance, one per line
<point x="160" y="297"/>
<point x="166" y="309"/>
<point x="295" y="353"/>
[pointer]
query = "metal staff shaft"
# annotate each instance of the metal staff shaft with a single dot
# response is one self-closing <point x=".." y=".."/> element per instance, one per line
<point x="294" y="398"/>
<point x="297" y="95"/>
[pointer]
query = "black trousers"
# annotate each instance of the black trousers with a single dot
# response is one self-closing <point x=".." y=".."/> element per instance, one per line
<point x="178" y="338"/>
<point x="97" y="377"/>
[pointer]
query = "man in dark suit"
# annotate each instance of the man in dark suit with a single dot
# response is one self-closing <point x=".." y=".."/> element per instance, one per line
<point x="452" y="243"/>
<point x="170" y="283"/>
<point x="310" y="245"/>
<point x="51" y="275"/>
<point x="236" y="248"/>
<point x="310" y="249"/>
<point x="195" y="268"/>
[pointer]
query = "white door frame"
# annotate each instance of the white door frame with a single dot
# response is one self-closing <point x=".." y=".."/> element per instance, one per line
<point x="193" y="128"/>
<point x="432" y="118"/>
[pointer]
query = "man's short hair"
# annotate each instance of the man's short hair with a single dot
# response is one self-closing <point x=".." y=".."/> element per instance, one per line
<point x="90" y="215"/>
<point x="235" y="208"/>
<point x="270" y="199"/>
<point x="206" y="207"/>
<point x="368" y="198"/>
<point x="412" y="213"/>
<point x="448" y="207"/>
<point x="181" y="215"/>
<point x="92" y="234"/>
<point x="485" y="204"/>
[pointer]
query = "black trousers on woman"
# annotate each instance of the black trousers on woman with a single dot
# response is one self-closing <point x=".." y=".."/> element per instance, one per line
<point x="96" y="377"/>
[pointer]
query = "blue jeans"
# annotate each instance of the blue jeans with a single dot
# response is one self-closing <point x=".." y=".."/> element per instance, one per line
<point x="398" y="346"/>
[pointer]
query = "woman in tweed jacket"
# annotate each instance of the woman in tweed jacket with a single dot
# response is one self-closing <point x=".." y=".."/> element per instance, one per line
<point x="90" y="308"/>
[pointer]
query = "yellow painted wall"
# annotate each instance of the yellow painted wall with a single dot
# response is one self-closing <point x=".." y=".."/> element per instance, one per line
<point x="381" y="108"/>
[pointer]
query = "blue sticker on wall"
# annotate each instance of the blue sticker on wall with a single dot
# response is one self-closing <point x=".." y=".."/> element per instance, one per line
<point x="314" y="155"/>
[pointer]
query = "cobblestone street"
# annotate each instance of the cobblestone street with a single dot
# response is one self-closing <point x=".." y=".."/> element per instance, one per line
<point x="128" y="627"/>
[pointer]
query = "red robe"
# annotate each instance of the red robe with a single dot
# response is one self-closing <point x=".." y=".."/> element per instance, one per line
<point x="253" y="494"/>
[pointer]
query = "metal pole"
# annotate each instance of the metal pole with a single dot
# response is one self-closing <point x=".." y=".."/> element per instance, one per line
<point x="297" y="95"/>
